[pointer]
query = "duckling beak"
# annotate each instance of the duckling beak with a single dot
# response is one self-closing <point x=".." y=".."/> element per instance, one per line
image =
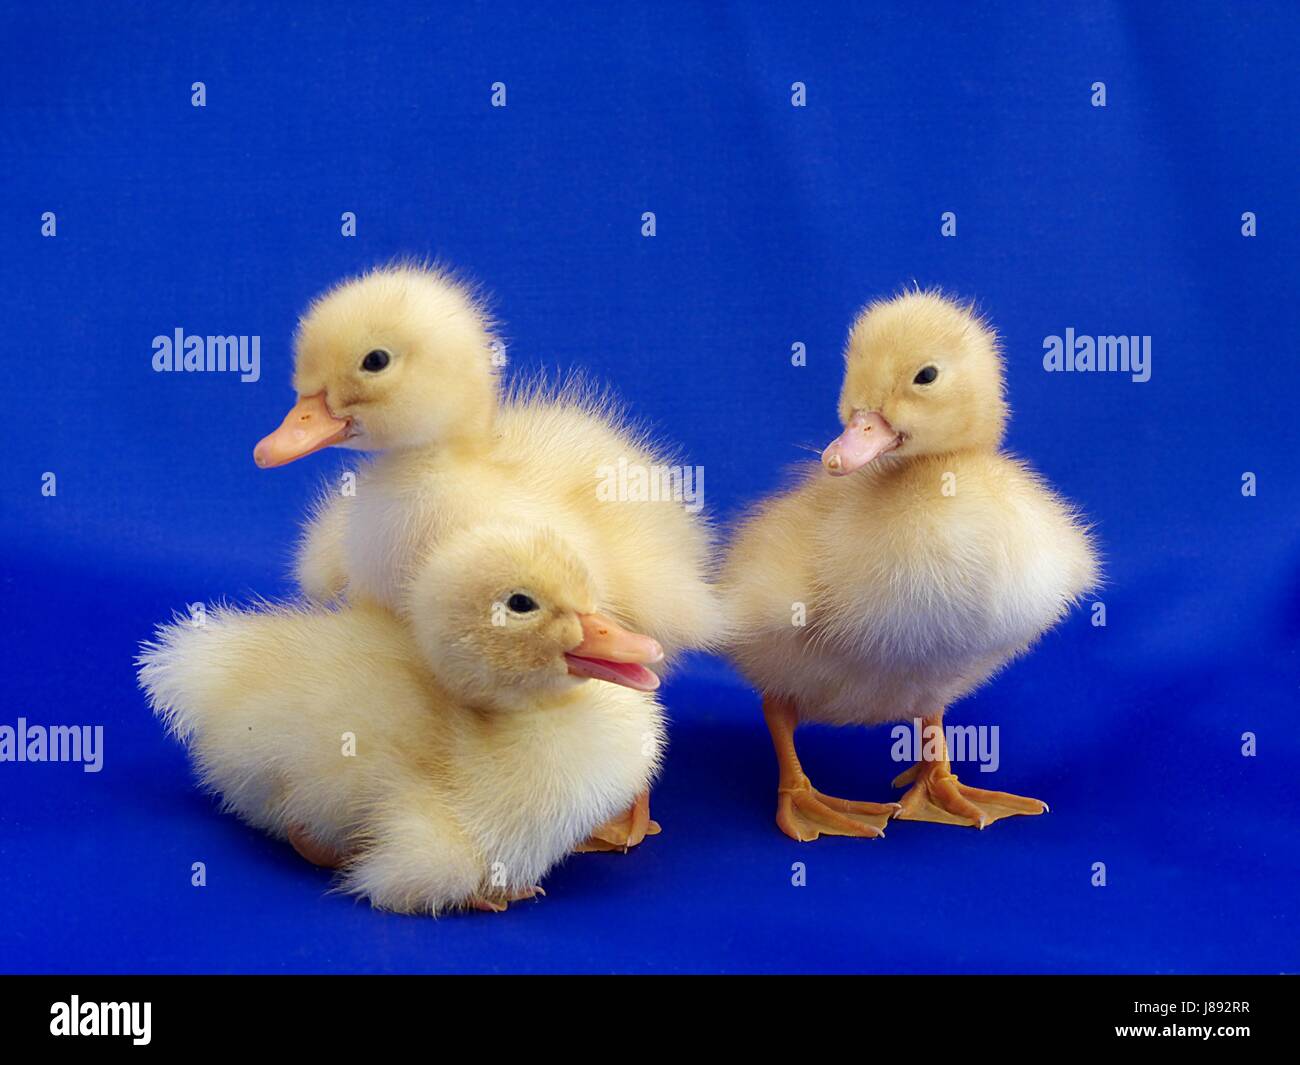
<point x="308" y="427"/>
<point x="610" y="652"/>
<point x="867" y="436"/>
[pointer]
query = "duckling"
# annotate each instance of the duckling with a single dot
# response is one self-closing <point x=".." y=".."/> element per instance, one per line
<point x="398" y="362"/>
<point x="443" y="763"/>
<point x="925" y="558"/>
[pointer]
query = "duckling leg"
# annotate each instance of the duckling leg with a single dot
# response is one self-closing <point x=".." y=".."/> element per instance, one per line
<point x="624" y="831"/>
<point x="937" y="795"/>
<point x="802" y="812"/>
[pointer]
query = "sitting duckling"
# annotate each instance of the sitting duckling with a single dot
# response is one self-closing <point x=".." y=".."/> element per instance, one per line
<point x="489" y="736"/>
<point x="398" y="362"/>
<point x="926" y="561"/>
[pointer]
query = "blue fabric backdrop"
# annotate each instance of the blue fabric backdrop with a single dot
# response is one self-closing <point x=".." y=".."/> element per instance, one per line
<point x="775" y="224"/>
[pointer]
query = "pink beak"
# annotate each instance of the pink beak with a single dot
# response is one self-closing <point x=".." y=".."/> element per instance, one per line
<point x="867" y="436"/>
<point x="308" y="427"/>
<point x="612" y="653"/>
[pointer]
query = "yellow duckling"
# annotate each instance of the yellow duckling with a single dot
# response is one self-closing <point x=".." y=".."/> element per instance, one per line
<point x="441" y="764"/>
<point x="925" y="562"/>
<point x="399" y="362"/>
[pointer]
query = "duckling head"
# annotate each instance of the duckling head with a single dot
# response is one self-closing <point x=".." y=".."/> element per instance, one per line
<point x="923" y="375"/>
<point x="506" y="616"/>
<point x="397" y="358"/>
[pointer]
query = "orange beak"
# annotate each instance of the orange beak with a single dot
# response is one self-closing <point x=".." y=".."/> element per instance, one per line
<point x="610" y="652"/>
<point x="308" y="427"/>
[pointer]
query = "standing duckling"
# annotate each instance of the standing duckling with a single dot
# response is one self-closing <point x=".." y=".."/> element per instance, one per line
<point x="442" y="764"/>
<point x="926" y="559"/>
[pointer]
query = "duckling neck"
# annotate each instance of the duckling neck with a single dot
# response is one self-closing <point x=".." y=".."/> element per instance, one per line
<point x="507" y="700"/>
<point x="469" y="440"/>
<point x="475" y="433"/>
<point x="900" y="463"/>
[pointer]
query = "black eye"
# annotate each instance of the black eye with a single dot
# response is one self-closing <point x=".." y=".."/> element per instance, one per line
<point x="375" y="361"/>
<point x="926" y="375"/>
<point x="521" y="604"/>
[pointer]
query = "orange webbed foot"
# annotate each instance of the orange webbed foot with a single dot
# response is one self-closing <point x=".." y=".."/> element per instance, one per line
<point x="623" y="832"/>
<point x="937" y="795"/>
<point x="499" y="904"/>
<point x="803" y="813"/>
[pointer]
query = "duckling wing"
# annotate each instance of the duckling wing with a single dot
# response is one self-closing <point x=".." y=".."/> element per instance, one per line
<point x="320" y="564"/>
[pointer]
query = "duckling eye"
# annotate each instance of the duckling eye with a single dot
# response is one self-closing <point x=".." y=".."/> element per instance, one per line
<point x="521" y="604"/>
<point x="375" y="361"/>
<point x="926" y="375"/>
